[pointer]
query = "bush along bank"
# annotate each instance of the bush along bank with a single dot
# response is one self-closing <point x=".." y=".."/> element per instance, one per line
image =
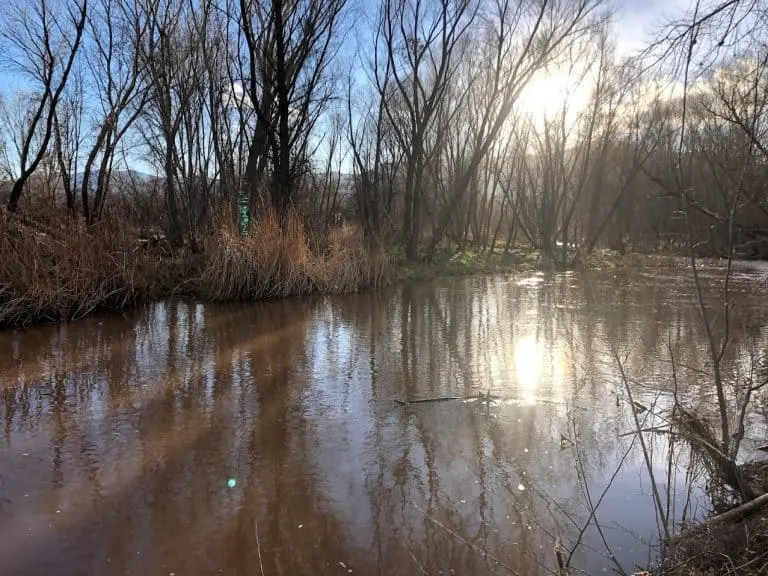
<point x="733" y="542"/>
<point x="51" y="275"/>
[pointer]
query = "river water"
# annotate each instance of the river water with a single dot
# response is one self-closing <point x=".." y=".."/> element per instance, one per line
<point x="188" y="439"/>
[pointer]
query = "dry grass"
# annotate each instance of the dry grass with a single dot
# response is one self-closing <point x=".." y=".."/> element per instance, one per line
<point x="269" y="262"/>
<point x="712" y="550"/>
<point x="58" y="273"/>
<point x="350" y="264"/>
<point x="61" y="274"/>
<point x="723" y="548"/>
<point x="275" y="261"/>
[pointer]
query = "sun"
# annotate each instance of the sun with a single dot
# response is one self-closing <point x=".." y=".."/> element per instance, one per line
<point x="549" y="93"/>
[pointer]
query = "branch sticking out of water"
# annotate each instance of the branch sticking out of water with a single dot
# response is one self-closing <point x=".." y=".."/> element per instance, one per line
<point x="474" y="547"/>
<point x="646" y="456"/>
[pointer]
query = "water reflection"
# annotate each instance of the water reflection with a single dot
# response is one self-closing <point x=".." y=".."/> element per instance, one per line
<point x="121" y="434"/>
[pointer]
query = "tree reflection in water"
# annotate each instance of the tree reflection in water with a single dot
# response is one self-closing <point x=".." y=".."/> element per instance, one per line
<point x="120" y="433"/>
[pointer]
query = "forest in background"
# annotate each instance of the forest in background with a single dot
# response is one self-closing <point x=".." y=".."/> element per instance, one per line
<point x="240" y="148"/>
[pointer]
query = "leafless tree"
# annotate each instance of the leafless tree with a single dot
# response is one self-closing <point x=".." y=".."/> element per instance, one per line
<point x="15" y="117"/>
<point x="114" y="42"/>
<point x="418" y="49"/>
<point x="170" y="52"/>
<point x="523" y="38"/>
<point x="68" y="138"/>
<point x="730" y="102"/>
<point x="289" y="47"/>
<point x="42" y="38"/>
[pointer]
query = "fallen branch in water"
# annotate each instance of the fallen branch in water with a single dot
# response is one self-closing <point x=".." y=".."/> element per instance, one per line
<point x="258" y="546"/>
<point x="423" y="400"/>
<point x="562" y="567"/>
<point x="480" y="397"/>
<point x="739" y="512"/>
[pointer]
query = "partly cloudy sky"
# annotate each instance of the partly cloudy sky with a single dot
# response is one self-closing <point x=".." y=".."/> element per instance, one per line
<point x="634" y="24"/>
<point x="636" y="20"/>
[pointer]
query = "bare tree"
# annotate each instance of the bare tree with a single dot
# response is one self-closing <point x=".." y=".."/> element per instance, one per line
<point x="43" y="38"/>
<point x="113" y="54"/>
<point x="376" y="160"/>
<point x="15" y="118"/>
<point x="702" y="34"/>
<point x="418" y="48"/>
<point x="173" y="61"/>
<point x="68" y="138"/>
<point x="289" y="47"/>
<point x="523" y="38"/>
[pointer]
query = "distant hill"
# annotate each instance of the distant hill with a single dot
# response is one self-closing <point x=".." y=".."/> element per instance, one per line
<point x="118" y="176"/>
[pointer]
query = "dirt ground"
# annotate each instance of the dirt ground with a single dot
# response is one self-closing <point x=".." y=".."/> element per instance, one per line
<point x="733" y="548"/>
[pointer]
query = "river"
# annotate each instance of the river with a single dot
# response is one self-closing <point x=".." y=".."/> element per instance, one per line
<point x="264" y="438"/>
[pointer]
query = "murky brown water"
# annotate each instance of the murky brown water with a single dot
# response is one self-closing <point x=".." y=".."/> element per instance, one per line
<point x="190" y="439"/>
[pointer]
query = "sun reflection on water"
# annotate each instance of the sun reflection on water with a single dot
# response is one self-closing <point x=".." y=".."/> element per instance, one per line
<point x="529" y="355"/>
<point x="538" y="367"/>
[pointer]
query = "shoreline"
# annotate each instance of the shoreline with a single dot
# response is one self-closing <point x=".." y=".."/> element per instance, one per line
<point x="182" y="277"/>
<point x="725" y="543"/>
<point x="62" y="282"/>
<point x="154" y="277"/>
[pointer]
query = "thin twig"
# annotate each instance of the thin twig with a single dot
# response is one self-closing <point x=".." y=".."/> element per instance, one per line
<point x="416" y="560"/>
<point x="258" y="546"/>
<point x="593" y="509"/>
<point x="638" y="426"/>
<point x="467" y="542"/>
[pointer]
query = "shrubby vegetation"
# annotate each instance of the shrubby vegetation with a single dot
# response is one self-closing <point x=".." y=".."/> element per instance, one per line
<point x="237" y="149"/>
<point x="266" y="148"/>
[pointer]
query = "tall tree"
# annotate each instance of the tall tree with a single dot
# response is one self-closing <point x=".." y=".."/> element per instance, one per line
<point x="289" y="45"/>
<point x="42" y="38"/>
<point x="418" y="49"/>
<point x="521" y="39"/>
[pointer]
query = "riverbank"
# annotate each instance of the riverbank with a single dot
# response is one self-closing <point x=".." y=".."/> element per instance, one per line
<point x="55" y="274"/>
<point x="730" y="543"/>
<point x="516" y="260"/>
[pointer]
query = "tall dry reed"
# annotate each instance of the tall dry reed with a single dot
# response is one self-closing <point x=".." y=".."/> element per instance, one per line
<point x="61" y="274"/>
<point x="274" y="261"/>
<point x="351" y="263"/>
<point x="52" y="273"/>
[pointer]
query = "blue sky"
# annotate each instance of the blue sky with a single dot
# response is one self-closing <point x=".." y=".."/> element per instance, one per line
<point x="634" y="23"/>
<point x="637" y="19"/>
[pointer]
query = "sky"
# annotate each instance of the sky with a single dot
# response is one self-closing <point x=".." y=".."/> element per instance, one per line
<point x="634" y="24"/>
<point x="636" y="20"/>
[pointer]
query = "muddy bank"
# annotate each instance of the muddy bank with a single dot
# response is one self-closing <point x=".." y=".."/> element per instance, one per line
<point x="726" y="543"/>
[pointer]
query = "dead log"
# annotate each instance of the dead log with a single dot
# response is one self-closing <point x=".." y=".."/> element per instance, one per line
<point x="739" y="512"/>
